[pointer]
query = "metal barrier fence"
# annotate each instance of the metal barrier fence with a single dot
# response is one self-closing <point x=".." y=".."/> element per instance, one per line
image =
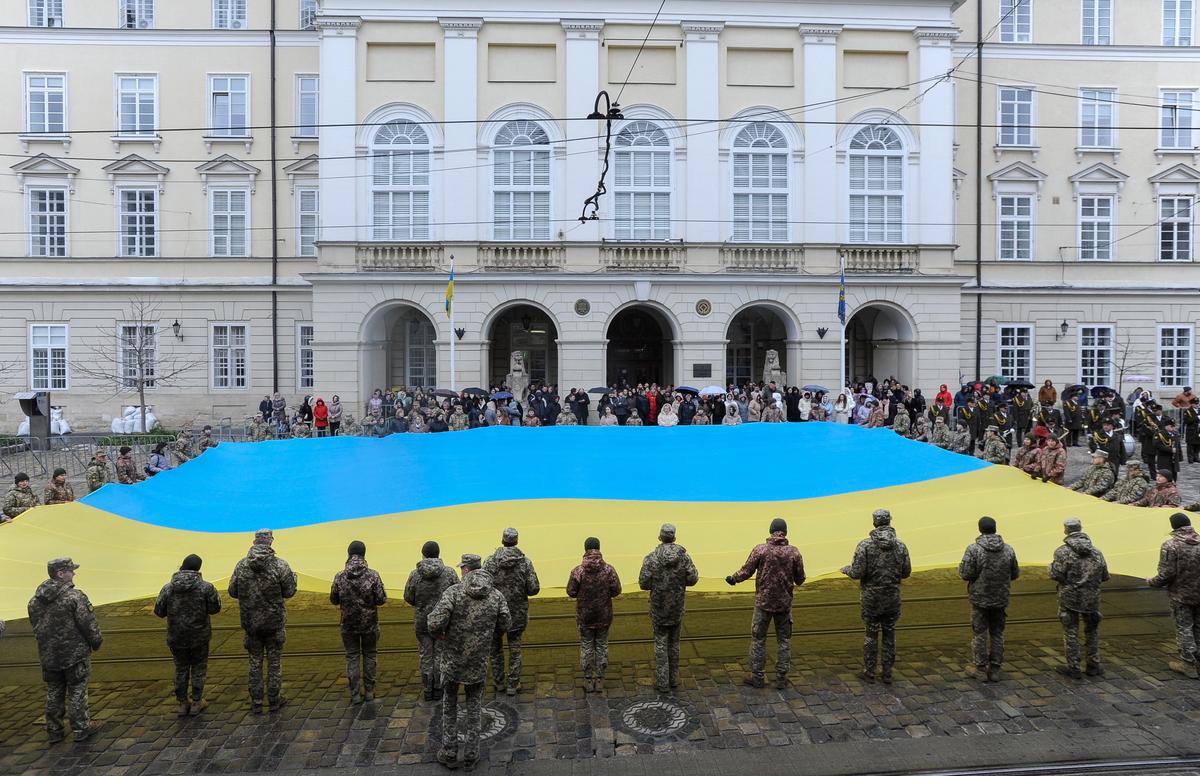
<point x="73" y="452"/>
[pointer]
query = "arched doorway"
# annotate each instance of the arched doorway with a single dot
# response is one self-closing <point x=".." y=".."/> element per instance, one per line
<point x="880" y="343"/>
<point x="528" y="329"/>
<point x="639" y="348"/>
<point x="399" y="349"/>
<point x="751" y="333"/>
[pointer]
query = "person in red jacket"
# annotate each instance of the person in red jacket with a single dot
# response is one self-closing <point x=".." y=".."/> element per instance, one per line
<point x="777" y="569"/>
<point x="944" y="397"/>
<point x="593" y="584"/>
<point x="321" y="418"/>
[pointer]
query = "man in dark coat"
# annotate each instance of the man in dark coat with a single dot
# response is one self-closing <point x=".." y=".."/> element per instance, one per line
<point x="188" y="604"/>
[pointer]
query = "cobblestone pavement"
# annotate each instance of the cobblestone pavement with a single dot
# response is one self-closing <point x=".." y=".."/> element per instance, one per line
<point x="1079" y="459"/>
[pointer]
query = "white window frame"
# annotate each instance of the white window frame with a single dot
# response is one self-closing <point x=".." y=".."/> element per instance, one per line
<point x="1097" y="115"/>
<point x="304" y="383"/>
<point x="41" y="249"/>
<point x="401" y="172"/>
<point x="1178" y="215"/>
<point x="1099" y="246"/>
<point x="308" y="84"/>
<point x="860" y="232"/>
<point x="760" y="172"/>
<point x="1003" y="221"/>
<point x="212" y="355"/>
<point x="1016" y="128"/>
<point x="1185" y="352"/>
<point x="50" y="346"/>
<point x="138" y="217"/>
<point x="137" y="91"/>
<point x="231" y="129"/>
<point x="212" y="221"/>
<point x="230" y="14"/>
<point x="47" y="91"/>
<point x="1178" y="22"/>
<point x="642" y="173"/>
<point x="140" y="12"/>
<point x="1097" y="33"/>
<point x="513" y="158"/>
<point x="124" y="368"/>
<point x="1178" y="120"/>
<point x="41" y="12"/>
<point x="303" y="216"/>
<point x="1012" y="330"/>
<point x="416" y="345"/>
<point x="308" y="14"/>
<point x="1011" y="22"/>
<point x="1108" y="368"/>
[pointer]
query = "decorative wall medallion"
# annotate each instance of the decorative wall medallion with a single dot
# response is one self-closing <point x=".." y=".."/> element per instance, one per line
<point x="582" y="307"/>
<point x="703" y="307"/>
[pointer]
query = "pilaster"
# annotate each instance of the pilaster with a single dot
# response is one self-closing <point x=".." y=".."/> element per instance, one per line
<point x="582" y="84"/>
<point x="935" y="196"/>
<point x="820" y="169"/>
<point x="460" y="51"/>
<point x="702" y="51"/>
<point x="338" y="115"/>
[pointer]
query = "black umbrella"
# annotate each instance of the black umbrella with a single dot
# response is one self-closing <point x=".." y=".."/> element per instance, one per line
<point x="1020" y="384"/>
<point x="1100" y="390"/>
<point x="475" y="392"/>
<point x="445" y="393"/>
<point x="686" y="389"/>
<point x="600" y="391"/>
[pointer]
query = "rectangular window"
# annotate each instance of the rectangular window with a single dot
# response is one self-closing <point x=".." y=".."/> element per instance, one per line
<point x="1016" y="116"/>
<point x="138" y="355"/>
<point x="1097" y="22"/>
<point x="1096" y="118"/>
<point x="137" y="14"/>
<point x="305" y="369"/>
<point x="1176" y="120"/>
<point x="1174" y="356"/>
<point x="229" y="110"/>
<point x="137" y="104"/>
<point x="1015" y="357"/>
<point x="1016" y="21"/>
<point x="521" y="196"/>
<point x="48" y="357"/>
<point x="1177" y="23"/>
<point x="139" y="222"/>
<point x="229" y="14"/>
<point x="1095" y="228"/>
<point x="876" y="199"/>
<point x="306" y="105"/>
<point x="46" y="103"/>
<point x="308" y="215"/>
<point x="760" y="214"/>
<point x="1095" y="355"/>
<point x="45" y="13"/>
<point x="230" y="222"/>
<point x="230" y="356"/>
<point x="47" y="222"/>
<point x="308" y="14"/>
<point x="1175" y="229"/>
<point x="1016" y="227"/>
<point x="642" y="202"/>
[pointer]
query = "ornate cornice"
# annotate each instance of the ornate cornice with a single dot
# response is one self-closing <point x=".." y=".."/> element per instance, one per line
<point x="460" y="27"/>
<point x="947" y="34"/>
<point x="701" y="30"/>
<point x="337" y="23"/>
<point x="583" y="25"/>
<point x="820" y="33"/>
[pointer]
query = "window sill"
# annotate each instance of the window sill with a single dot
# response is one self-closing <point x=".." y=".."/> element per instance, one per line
<point x="1159" y="153"/>
<point x="1081" y="151"/>
<point x="145" y="139"/>
<point x="211" y="140"/>
<point x="1174" y="261"/>
<point x="45" y="137"/>
<point x="999" y="150"/>
<point x="299" y="140"/>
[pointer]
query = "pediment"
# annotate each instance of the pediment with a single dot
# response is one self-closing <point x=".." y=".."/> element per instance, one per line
<point x="309" y="165"/>
<point x="44" y="164"/>
<point x="227" y="165"/>
<point x="135" y="165"/>
<point x="1179" y="173"/>
<point x="1099" y="173"/>
<point x="1018" y="172"/>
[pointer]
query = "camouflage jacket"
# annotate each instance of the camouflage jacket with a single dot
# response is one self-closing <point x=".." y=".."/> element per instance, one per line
<point x="962" y="440"/>
<point x="1127" y="490"/>
<point x="777" y="568"/>
<point x="358" y="590"/>
<point x="921" y="430"/>
<point x="184" y="449"/>
<point x="989" y="566"/>
<point x="206" y="443"/>
<point x="593" y="584"/>
<point x="1026" y="460"/>
<point x="65" y="625"/>
<point x="127" y="471"/>
<point x="1079" y="569"/>
<point x="902" y="425"/>
<point x="97" y="476"/>
<point x="513" y="575"/>
<point x="458" y="421"/>
<point x="995" y="451"/>
<point x="941" y="435"/>
<point x="465" y="618"/>
<point x="1179" y="566"/>
<point x="17" y="500"/>
<point x="1166" y="495"/>
<point x="188" y="603"/>
<point x="1095" y="481"/>
<point x="261" y="581"/>
<point x="667" y="572"/>
<point x="58" y="494"/>
<point x="566" y="418"/>
<point x="880" y="562"/>
<point x="425" y="586"/>
<point x="1052" y="464"/>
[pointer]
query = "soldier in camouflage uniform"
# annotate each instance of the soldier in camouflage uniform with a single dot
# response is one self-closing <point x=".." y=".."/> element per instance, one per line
<point x="256" y="431"/>
<point x="1099" y="477"/>
<point x="995" y="450"/>
<point x="458" y="420"/>
<point x="902" y="425"/>
<point x="1052" y="461"/>
<point x="206" y="440"/>
<point x="777" y="569"/>
<point x="667" y="572"/>
<point x="58" y="490"/>
<point x="941" y="434"/>
<point x="301" y="430"/>
<point x="566" y="418"/>
<point x="880" y="562"/>
<point x="1079" y="569"/>
<point x="1179" y="573"/>
<point x="352" y="427"/>
<point x="188" y="603"/>
<point x="593" y="584"/>
<point x="128" y="472"/>
<point x="261" y="582"/>
<point x="184" y="448"/>
<point x="1163" y="493"/>
<point x="514" y="576"/>
<point x="1130" y="488"/>
<point x="988" y="566"/>
<point x="1026" y="458"/>
<point x="97" y="472"/>
<point x="359" y="592"/>
<point x="424" y="588"/>
<point x="19" y="499"/>
<point x="67" y="635"/>
<point x="465" y="618"/>
<point x="962" y="442"/>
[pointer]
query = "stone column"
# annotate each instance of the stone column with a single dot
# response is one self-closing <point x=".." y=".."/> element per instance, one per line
<point x="460" y="50"/>
<point x="703" y="161"/>
<point x="582" y="162"/>
<point x="821" y="192"/>
<point x="935" y="196"/>
<point x="338" y="115"/>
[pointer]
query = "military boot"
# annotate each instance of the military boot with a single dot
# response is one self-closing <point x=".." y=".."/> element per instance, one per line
<point x="1187" y="668"/>
<point x="1094" y="669"/>
<point x="781" y="682"/>
<point x="977" y="672"/>
<point x="88" y="732"/>
<point x="447" y="759"/>
<point x="993" y="673"/>
<point x="886" y="676"/>
<point x="198" y="706"/>
<point x="1070" y="672"/>
<point x="755" y="681"/>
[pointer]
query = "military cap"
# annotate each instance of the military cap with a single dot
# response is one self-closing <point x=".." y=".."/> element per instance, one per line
<point x="264" y="536"/>
<point x="509" y="537"/>
<point x="60" y="564"/>
<point x="59" y="472"/>
<point x="667" y="532"/>
<point x="1100" y="454"/>
<point x="471" y="562"/>
<point x="1168" y="421"/>
<point x="881" y="517"/>
<point x="992" y="428"/>
<point x="1109" y="420"/>
<point x="1134" y="465"/>
<point x="1073" y="525"/>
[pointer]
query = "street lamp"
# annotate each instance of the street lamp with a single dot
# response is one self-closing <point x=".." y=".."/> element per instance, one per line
<point x="611" y="113"/>
<point x="1062" y="331"/>
<point x="175" y="328"/>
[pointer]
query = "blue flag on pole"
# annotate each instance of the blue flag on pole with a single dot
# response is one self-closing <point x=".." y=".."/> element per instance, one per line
<point x="842" y="297"/>
<point x="450" y="289"/>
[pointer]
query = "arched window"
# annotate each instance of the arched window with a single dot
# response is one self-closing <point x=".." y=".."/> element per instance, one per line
<point x="876" y="186"/>
<point x="521" y="182"/>
<point x="642" y="200"/>
<point x="400" y="182"/>
<point x="760" y="183"/>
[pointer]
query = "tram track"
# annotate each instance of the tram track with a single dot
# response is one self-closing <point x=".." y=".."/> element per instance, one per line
<point x="1180" y="766"/>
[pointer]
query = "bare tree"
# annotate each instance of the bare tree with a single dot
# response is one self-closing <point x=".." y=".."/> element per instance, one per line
<point x="129" y="360"/>
<point x="1127" y="360"/>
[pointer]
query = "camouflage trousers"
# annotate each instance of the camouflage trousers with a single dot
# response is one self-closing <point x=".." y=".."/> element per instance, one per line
<point x="988" y="623"/>
<point x="666" y="656"/>
<point x="67" y="693"/>
<point x="593" y="651"/>
<point x="875" y="625"/>
<point x="191" y="667"/>
<point x="270" y="647"/>
<point x="514" y="658"/>
<point x="360" y="646"/>
<point x="427" y="645"/>
<point x="1187" y="629"/>
<point x="473" y="722"/>
<point x="1091" y="633"/>
<point x="758" y="641"/>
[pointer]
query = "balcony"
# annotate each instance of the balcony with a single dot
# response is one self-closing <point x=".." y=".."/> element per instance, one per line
<point x="642" y="257"/>
<point x="880" y="259"/>
<point x="524" y="257"/>
<point x="761" y="258"/>
<point x="399" y="257"/>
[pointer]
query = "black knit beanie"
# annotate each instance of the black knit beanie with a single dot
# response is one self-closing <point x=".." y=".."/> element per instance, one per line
<point x="357" y="548"/>
<point x="591" y="543"/>
<point x="191" y="563"/>
<point x="987" y="525"/>
<point x="778" y="525"/>
<point x="430" y="550"/>
<point x="1179" y="520"/>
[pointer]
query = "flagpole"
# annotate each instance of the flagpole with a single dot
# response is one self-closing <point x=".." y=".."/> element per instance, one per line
<point x="842" y="319"/>
<point x="453" y="336"/>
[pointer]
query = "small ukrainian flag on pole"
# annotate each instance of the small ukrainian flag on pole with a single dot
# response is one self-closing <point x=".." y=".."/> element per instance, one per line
<point x="450" y="289"/>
